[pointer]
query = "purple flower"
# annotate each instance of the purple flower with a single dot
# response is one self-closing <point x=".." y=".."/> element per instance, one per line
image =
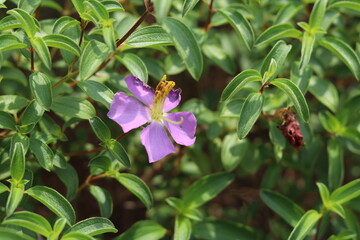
<point x="153" y="106"/>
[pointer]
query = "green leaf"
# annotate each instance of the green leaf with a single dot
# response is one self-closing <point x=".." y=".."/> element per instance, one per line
<point x="282" y="205"/>
<point x="32" y="114"/>
<point x="250" y="112"/>
<point x="233" y="151"/>
<point x="324" y="193"/>
<point x="278" y="54"/>
<point x="42" y="51"/>
<point x="17" y="165"/>
<point x="305" y="225"/>
<point x="188" y="6"/>
<point x="59" y="226"/>
<point x="93" y="226"/>
<point x="137" y="186"/>
<point x="347" y="192"/>
<point x="112" y="6"/>
<point x="239" y="81"/>
<point x="12" y="103"/>
<point x="102" y="162"/>
<point x="98" y="9"/>
<point x="351" y="4"/>
<point x="108" y="34"/>
<point x="73" y="107"/>
<point x="182" y="229"/>
<point x="232" y="108"/>
<point x="91" y="58"/>
<point x="352" y="222"/>
<point x="219" y="229"/>
<point x="143" y="230"/>
<point x="79" y="6"/>
<point x="7" y="121"/>
<point x="29" y="7"/>
<point x="104" y="200"/>
<point x="317" y="13"/>
<point x="135" y="65"/>
<point x="15" y="197"/>
<point x="219" y="56"/>
<point x="11" y="234"/>
<point x="336" y="163"/>
<point x="3" y="188"/>
<point x="100" y="129"/>
<point x="62" y="42"/>
<point x="295" y="95"/>
<point x="306" y="49"/>
<point x="351" y="133"/>
<point x="206" y="188"/>
<point x="43" y="153"/>
<point x="97" y="91"/>
<point x="29" y="220"/>
<point x="64" y="23"/>
<point x="325" y="91"/>
<point x="186" y="45"/>
<point x="337" y="208"/>
<point x="26" y="21"/>
<point x="148" y="37"/>
<point x="344" y="52"/>
<point x="287" y="12"/>
<point x="53" y="201"/>
<point x="301" y="79"/>
<point x="119" y="153"/>
<point x="10" y="42"/>
<point x="40" y="86"/>
<point x="69" y="177"/>
<point x="276" y="32"/>
<point x="76" y="236"/>
<point x="241" y="26"/>
<point x="331" y="123"/>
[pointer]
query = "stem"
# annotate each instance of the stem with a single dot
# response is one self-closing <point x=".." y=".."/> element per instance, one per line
<point x="208" y="21"/>
<point x="318" y="229"/>
<point x="70" y="75"/>
<point x="89" y="180"/>
<point x="32" y="59"/>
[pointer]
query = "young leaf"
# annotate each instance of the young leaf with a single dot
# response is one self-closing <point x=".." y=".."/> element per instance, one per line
<point x="241" y="26"/>
<point x="282" y="205"/>
<point x="233" y="151"/>
<point x="182" y="229"/>
<point x="137" y="186"/>
<point x="43" y="153"/>
<point x="93" y="226"/>
<point x="278" y="54"/>
<point x="305" y="225"/>
<point x="97" y="91"/>
<point x="26" y="21"/>
<point x="188" y="6"/>
<point x="119" y="153"/>
<point x="306" y="49"/>
<point x="186" y="45"/>
<point x="317" y="13"/>
<point x="53" y="201"/>
<point x="276" y="32"/>
<point x="40" y="86"/>
<point x="135" y="65"/>
<point x="91" y="58"/>
<point x="149" y="36"/>
<point x="104" y="200"/>
<point x="98" y="9"/>
<point x="344" y="52"/>
<point x="325" y="91"/>
<point x="10" y="42"/>
<point x="336" y="163"/>
<point x="29" y="220"/>
<point x="42" y="51"/>
<point x="239" y="81"/>
<point x="249" y="113"/>
<point x="12" y="103"/>
<point x="15" y="197"/>
<point x="206" y="188"/>
<point x="7" y="121"/>
<point x="295" y="95"/>
<point x="100" y="129"/>
<point x="143" y="230"/>
<point x="3" y="188"/>
<point x="17" y="165"/>
<point x="79" y="6"/>
<point x="62" y="42"/>
<point x="347" y="192"/>
<point x="73" y="107"/>
<point x="324" y="193"/>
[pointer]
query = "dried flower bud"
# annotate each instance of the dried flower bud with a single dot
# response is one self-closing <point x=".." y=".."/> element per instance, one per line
<point x="290" y="128"/>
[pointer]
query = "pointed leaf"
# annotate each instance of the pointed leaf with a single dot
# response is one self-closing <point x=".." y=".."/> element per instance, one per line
<point x="26" y="21"/>
<point x="7" y="121"/>
<point x="351" y="4"/>
<point x="306" y="49"/>
<point x="135" y="65"/>
<point x="324" y="193"/>
<point x="9" y="42"/>
<point x="40" y="86"/>
<point x="69" y="177"/>
<point x="317" y="13"/>
<point x="98" y="9"/>
<point x="104" y="200"/>
<point x="149" y="36"/>
<point x="336" y="163"/>
<point x="325" y="91"/>
<point x="100" y="129"/>
<point x="305" y="225"/>
<point x="97" y="91"/>
<point x="62" y="42"/>
<point x="73" y="107"/>
<point x="276" y="32"/>
<point x="64" y="23"/>
<point x="143" y="230"/>
<point x="347" y="192"/>
<point x="93" y="226"/>
<point x="15" y="197"/>
<point x="118" y="151"/>
<point x="42" y="51"/>
<point x="43" y="153"/>
<point x="17" y="165"/>
<point x="11" y="234"/>
<point x="188" y="6"/>
<point x="182" y="229"/>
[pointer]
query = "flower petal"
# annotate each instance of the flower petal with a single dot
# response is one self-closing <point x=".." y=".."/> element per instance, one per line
<point x="172" y="100"/>
<point x="128" y="112"/>
<point x="182" y="133"/>
<point x="141" y="90"/>
<point x="156" y="141"/>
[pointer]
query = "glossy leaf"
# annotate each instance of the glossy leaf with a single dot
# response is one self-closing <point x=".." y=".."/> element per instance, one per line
<point x="26" y="21"/>
<point x="112" y="6"/>
<point x="53" y="201"/>
<point x="206" y="188"/>
<point x="104" y="200"/>
<point x="91" y="58"/>
<point x="305" y="225"/>
<point x="42" y="51"/>
<point x="186" y="45"/>
<point x="239" y="81"/>
<point x="282" y="205"/>
<point x="344" y="52"/>
<point x="10" y="42"/>
<point x="32" y="114"/>
<point x="336" y="163"/>
<point x="347" y="192"/>
<point x="143" y="230"/>
<point x="249" y="114"/>
<point x="98" y="9"/>
<point x="241" y="26"/>
<point x="100" y="129"/>
<point x="12" y="103"/>
<point x="149" y="36"/>
<point x="97" y="91"/>
<point x="93" y="226"/>
<point x="135" y="65"/>
<point x="73" y="107"/>
<point x="43" y="153"/>
<point x="15" y="197"/>
<point x="325" y="91"/>
<point x="17" y="165"/>
<point x="182" y="229"/>
<point x="11" y="234"/>
<point x="233" y="151"/>
<point x="40" y="86"/>
<point x="62" y="42"/>
<point x="7" y="121"/>
<point x="276" y="32"/>
<point x="137" y="186"/>
<point x="64" y="23"/>
<point x="119" y="153"/>
<point x="317" y="13"/>
<point x="295" y="95"/>
<point x="9" y="22"/>
<point x="79" y="6"/>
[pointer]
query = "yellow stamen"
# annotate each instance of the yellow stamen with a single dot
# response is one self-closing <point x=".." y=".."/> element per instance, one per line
<point x="174" y="122"/>
<point x="162" y="90"/>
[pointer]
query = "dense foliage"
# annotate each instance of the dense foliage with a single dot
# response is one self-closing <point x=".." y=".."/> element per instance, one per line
<point x="272" y="84"/>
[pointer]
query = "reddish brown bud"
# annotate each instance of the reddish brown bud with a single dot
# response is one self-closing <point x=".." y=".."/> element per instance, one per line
<point x="290" y="128"/>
